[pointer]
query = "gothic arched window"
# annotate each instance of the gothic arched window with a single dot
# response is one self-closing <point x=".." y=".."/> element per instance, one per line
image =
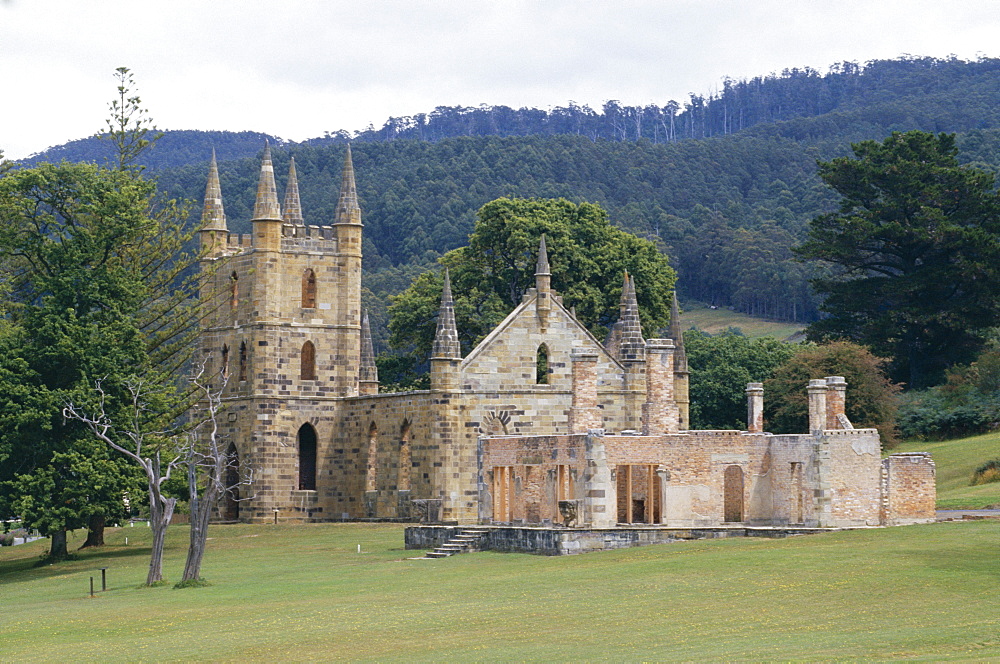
<point x="225" y="361"/>
<point x="542" y="365"/>
<point x="308" y="362"/>
<point x="307" y="457"/>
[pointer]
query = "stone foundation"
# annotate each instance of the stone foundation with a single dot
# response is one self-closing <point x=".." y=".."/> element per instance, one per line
<point x="567" y="541"/>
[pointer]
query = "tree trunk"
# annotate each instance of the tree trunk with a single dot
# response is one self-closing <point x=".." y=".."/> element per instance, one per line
<point x="201" y="510"/>
<point x="57" y="550"/>
<point x="160" y="511"/>
<point x="95" y="531"/>
<point x="199" y="537"/>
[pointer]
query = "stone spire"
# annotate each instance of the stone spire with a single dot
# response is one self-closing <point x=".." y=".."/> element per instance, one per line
<point x="542" y="264"/>
<point x="368" y="374"/>
<point x="348" y="210"/>
<point x="543" y="283"/>
<point x="293" y="206"/>
<point x="680" y="356"/>
<point x="213" y="215"/>
<point x="632" y="344"/>
<point x="446" y="343"/>
<point x="266" y="206"/>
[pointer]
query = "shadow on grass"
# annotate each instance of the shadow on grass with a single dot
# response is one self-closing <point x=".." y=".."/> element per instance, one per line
<point x="31" y="568"/>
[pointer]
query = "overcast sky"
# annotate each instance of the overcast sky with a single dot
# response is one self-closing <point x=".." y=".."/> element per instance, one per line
<point x="296" y="68"/>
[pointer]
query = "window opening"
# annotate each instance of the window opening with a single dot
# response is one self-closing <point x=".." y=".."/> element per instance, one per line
<point x="234" y="290"/>
<point x="307" y="457"/>
<point x="733" y="494"/>
<point x="638" y="489"/>
<point x="542" y="366"/>
<point x="308" y="362"/>
<point x="243" y="361"/>
<point x="309" y="289"/>
<point x="503" y="485"/>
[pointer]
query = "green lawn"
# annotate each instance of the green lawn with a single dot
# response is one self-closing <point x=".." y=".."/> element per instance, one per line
<point x="301" y="593"/>
<point x="713" y="321"/>
<point x="955" y="461"/>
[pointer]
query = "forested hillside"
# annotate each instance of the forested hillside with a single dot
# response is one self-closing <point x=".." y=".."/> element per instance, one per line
<point x="725" y="183"/>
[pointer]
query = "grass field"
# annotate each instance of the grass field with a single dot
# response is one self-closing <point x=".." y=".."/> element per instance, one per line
<point x="955" y="461"/>
<point x="297" y="593"/>
<point x="713" y="321"/>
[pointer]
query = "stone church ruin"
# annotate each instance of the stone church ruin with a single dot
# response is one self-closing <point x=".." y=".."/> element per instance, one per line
<point x="599" y="439"/>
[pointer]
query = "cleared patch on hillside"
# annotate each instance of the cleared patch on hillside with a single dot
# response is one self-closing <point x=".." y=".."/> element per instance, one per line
<point x="714" y="321"/>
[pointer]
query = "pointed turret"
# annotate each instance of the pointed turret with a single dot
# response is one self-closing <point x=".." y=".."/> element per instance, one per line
<point x="446" y="343"/>
<point x="348" y="211"/>
<point x="632" y="344"/>
<point x="293" y="206"/>
<point x="543" y="282"/>
<point x="368" y="374"/>
<point x="266" y="205"/>
<point x="214" y="232"/>
<point x="213" y="215"/>
<point x="447" y="351"/>
<point x="542" y="264"/>
<point x="266" y="213"/>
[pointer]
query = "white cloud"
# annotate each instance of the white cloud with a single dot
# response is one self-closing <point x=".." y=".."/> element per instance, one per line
<point x="298" y="68"/>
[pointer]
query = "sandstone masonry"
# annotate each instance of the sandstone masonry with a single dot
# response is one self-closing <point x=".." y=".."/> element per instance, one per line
<point x="540" y="424"/>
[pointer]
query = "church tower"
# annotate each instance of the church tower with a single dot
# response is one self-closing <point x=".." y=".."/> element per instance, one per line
<point x="284" y="336"/>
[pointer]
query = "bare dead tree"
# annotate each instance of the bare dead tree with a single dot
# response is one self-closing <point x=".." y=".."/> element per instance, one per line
<point x="208" y="460"/>
<point x="156" y="452"/>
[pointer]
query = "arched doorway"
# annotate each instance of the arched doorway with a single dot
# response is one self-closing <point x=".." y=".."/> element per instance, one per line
<point x="733" y="494"/>
<point x="307" y="457"/>
<point x="231" y="501"/>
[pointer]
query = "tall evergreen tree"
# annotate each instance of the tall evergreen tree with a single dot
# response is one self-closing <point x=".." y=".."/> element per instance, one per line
<point x="916" y="243"/>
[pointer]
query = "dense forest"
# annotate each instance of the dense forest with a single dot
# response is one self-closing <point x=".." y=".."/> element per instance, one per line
<point x="724" y="183"/>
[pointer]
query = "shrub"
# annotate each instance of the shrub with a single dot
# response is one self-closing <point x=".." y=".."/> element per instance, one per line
<point x="967" y="403"/>
<point x="871" y="396"/>
<point x="986" y="473"/>
<point x="6" y="539"/>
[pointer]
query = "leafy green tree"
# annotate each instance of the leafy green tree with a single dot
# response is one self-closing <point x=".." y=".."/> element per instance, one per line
<point x="721" y="366"/>
<point x="871" y="396"/>
<point x="74" y="296"/>
<point x="588" y="257"/>
<point x="95" y="265"/>
<point x="916" y="241"/>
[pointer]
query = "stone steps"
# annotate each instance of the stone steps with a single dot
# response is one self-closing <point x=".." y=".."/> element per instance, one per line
<point x="465" y="541"/>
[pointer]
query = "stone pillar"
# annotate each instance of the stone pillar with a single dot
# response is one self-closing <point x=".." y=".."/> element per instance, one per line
<point x="836" y="392"/>
<point x="817" y="404"/>
<point x="600" y="497"/>
<point x="755" y="407"/>
<point x="584" y="414"/>
<point x="659" y="413"/>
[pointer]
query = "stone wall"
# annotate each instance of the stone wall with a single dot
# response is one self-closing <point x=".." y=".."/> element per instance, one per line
<point x="908" y="494"/>
<point x="690" y="479"/>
